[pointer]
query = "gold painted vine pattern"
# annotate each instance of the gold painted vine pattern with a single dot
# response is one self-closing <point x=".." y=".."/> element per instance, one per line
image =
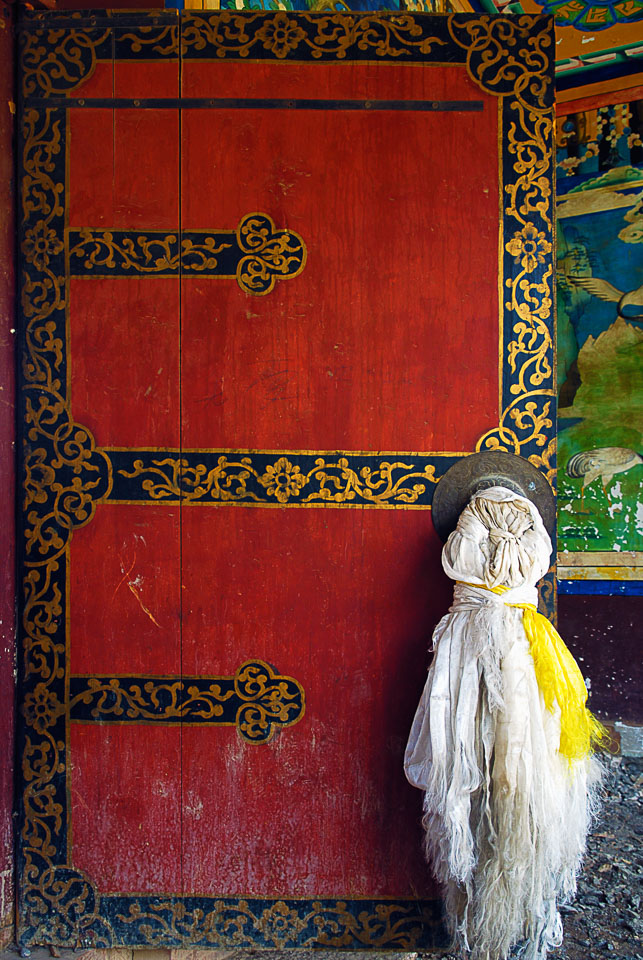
<point x="521" y="74"/>
<point x="256" y="700"/>
<point x="256" y="254"/>
<point x="63" y="476"/>
<point x="285" y="923"/>
<point x="281" y="482"/>
<point x="282" y="35"/>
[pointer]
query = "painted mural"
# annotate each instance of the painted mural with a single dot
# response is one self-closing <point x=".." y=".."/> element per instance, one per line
<point x="600" y="330"/>
<point x="314" y="5"/>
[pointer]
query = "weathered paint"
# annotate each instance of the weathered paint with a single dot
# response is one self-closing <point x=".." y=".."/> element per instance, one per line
<point x="600" y="334"/>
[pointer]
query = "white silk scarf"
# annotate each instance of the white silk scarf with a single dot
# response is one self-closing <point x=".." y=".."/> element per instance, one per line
<point x="505" y="815"/>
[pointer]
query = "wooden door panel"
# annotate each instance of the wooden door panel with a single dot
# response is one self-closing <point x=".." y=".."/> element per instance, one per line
<point x="350" y="355"/>
<point x="124" y="781"/>
<point x="124" y="374"/>
<point x="320" y="808"/>
<point x="227" y="584"/>
<point x="125" y="589"/>
<point x="135" y="807"/>
<point x="124" y="168"/>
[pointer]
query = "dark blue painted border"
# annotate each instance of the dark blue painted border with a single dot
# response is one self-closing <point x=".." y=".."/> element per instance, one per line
<point x="603" y="588"/>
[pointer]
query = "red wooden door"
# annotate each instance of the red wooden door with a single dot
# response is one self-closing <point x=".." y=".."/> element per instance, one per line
<point x="269" y="298"/>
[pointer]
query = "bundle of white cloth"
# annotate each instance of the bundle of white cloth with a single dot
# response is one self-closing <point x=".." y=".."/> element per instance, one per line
<point x="505" y="815"/>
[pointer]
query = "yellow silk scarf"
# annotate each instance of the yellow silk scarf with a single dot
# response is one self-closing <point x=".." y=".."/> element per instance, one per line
<point x="559" y="679"/>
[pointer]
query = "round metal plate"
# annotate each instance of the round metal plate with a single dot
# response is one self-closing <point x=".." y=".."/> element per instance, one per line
<point x="481" y="471"/>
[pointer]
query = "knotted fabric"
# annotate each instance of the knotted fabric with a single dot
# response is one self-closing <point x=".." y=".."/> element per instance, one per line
<point x="508" y="790"/>
<point x="560" y="681"/>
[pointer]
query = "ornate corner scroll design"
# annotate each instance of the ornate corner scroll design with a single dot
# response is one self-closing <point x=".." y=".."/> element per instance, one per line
<point x="508" y="56"/>
<point x="256" y="699"/>
<point x="63" y="475"/>
<point x="56" y="61"/>
<point x="396" y="925"/>
<point x="317" y="36"/>
<point x="290" y="479"/>
<point x="512" y="59"/>
<point x="64" y="907"/>
<point x="526" y="423"/>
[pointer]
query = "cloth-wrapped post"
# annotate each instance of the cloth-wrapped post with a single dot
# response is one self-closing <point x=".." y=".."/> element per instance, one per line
<point x="501" y="740"/>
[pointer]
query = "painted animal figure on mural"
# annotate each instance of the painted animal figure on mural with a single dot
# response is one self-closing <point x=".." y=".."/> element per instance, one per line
<point x="606" y="291"/>
<point x="603" y="462"/>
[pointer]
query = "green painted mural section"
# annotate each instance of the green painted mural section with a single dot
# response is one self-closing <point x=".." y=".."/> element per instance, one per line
<point x="600" y="362"/>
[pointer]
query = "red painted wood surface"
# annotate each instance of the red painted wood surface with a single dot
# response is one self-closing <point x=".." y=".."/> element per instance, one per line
<point x="319" y="594"/>
<point x="7" y="460"/>
<point x="114" y="182"/>
<point x="125" y="374"/>
<point x="376" y="345"/>
<point x="352" y="354"/>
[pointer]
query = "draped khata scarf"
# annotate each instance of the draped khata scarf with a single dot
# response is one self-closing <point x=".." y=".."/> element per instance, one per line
<point x="501" y="741"/>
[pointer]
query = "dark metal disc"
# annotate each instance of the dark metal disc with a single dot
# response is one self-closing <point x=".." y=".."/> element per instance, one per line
<point x="489" y="469"/>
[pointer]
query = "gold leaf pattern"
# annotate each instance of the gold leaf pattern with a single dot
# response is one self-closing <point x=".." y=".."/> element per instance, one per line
<point x="283" y="923"/>
<point x="282" y="480"/>
<point x="280" y="34"/>
<point x="271" y="254"/>
<point x="175" y="478"/>
<point x="506" y="57"/>
<point x="53" y="62"/>
<point x="163" y="40"/>
<point x="529" y="247"/>
<point x="41" y="708"/>
<point x="100" y="249"/>
<point x="256" y="700"/>
<point x="330" y="36"/>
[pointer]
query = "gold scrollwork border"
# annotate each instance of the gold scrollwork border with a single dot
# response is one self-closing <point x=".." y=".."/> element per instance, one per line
<point x="283" y="923"/>
<point x="512" y="58"/>
<point x="63" y="476"/>
<point x="296" y="479"/>
<point x="256" y="700"/>
<point x="335" y="36"/>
